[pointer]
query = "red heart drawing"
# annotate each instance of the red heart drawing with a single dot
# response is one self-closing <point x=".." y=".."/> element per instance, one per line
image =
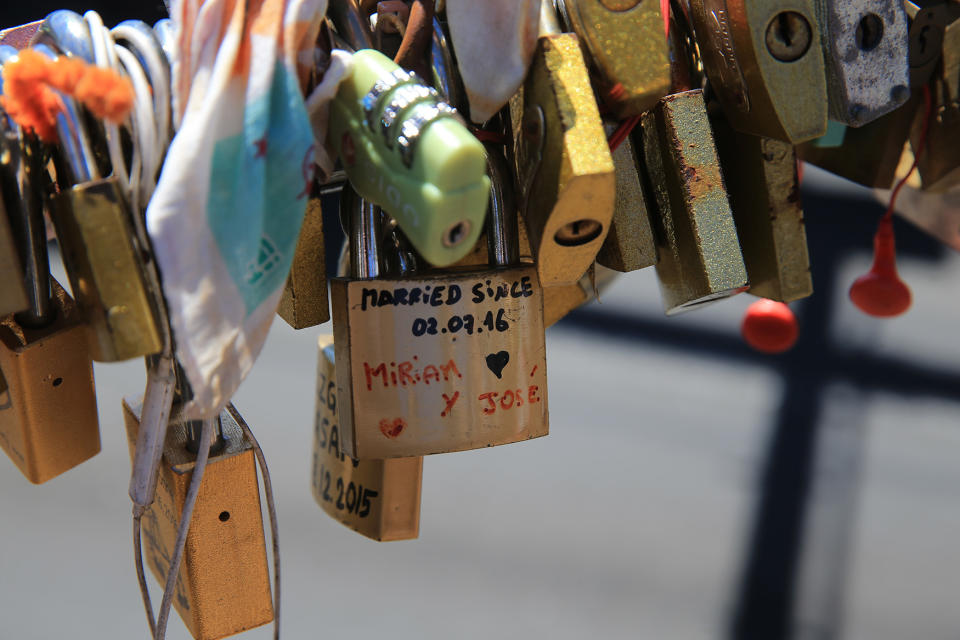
<point x="392" y="429"/>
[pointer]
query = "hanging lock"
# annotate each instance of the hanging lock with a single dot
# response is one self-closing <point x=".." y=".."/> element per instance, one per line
<point x="563" y="161"/>
<point x="224" y="586"/>
<point x="615" y="35"/>
<point x="438" y="362"/>
<point x="765" y="65"/>
<point x="410" y="153"/>
<point x="865" y="52"/>
<point x="699" y="257"/>
<point x="761" y="179"/>
<point x="629" y="245"/>
<point x="103" y="257"/>
<point x="48" y="405"/>
<point x="303" y="302"/>
<point x="938" y="163"/>
<point x="376" y="498"/>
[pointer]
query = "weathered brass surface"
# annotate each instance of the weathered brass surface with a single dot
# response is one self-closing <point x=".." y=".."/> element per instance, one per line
<point x="869" y="155"/>
<point x="765" y="65"/>
<point x="304" y="300"/>
<point x="629" y="245"/>
<point x="699" y="258"/>
<point x="627" y="44"/>
<point x="224" y="586"/>
<point x="564" y="165"/>
<point x="761" y="178"/>
<point x="103" y="260"/>
<point x="48" y="405"/>
<point x="376" y="498"/>
<point x="441" y="362"/>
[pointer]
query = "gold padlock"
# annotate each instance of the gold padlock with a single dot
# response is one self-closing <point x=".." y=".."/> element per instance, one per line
<point x="699" y="257"/>
<point x="761" y="179"/>
<point x="303" y="302"/>
<point x="562" y="158"/>
<point x="101" y="252"/>
<point x="48" y="405"/>
<point x="376" y="498"/>
<point x="938" y="162"/>
<point x="765" y="65"/>
<point x="616" y="34"/>
<point x="224" y="586"/>
<point x="464" y="366"/>
<point x="629" y="245"/>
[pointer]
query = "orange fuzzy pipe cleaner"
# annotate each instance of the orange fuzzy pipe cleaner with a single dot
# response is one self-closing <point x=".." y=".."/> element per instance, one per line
<point x="28" y="98"/>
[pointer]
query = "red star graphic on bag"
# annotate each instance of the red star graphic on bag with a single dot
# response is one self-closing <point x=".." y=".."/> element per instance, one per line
<point x="261" y="147"/>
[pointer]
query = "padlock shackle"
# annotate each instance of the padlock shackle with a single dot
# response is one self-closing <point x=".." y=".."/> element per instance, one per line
<point x="549" y="20"/>
<point x="365" y="235"/>
<point x="442" y="69"/>
<point x="350" y="24"/>
<point x="503" y="242"/>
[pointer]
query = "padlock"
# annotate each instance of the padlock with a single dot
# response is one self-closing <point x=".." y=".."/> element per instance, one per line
<point x="303" y="302"/>
<point x="629" y="245"/>
<point x="615" y="35"/>
<point x="938" y="163"/>
<point x="698" y="253"/>
<point x="865" y="45"/>
<point x="443" y="361"/>
<point x="765" y="65"/>
<point x="761" y="179"/>
<point x="101" y="251"/>
<point x="223" y="586"/>
<point x="376" y="498"/>
<point x="48" y="405"/>
<point x="409" y="152"/>
<point x="563" y="162"/>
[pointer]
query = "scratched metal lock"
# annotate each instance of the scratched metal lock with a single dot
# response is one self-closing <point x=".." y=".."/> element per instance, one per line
<point x="303" y="302"/>
<point x="765" y="65"/>
<point x="376" y="498"/>
<point x="699" y="257"/>
<point x="629" y="245"/>
<point x="101" y="252"/>
<point x="938" y="163"/>
<point x="865" y="52"/>
<point x="615" y="35"/>
<point x="48" y="405"/>
<point x="443" y="361"/>
<point x="563" y="162"/>
<point x="224" y="586"/>
<point x="761" y="179"/>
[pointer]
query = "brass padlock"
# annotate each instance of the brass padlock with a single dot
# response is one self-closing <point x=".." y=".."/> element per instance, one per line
<point x="376" y="498"/>
<point x="938" y="163"/>
<point x="224" y="586"/>
<point x="865" y="52"/>
<point x="699" y="257"/>
<point x="616" y="34"/>
<point x="303" y="302"/>
<point x="462" y="365"/>
<point x="48" y="405"/>
<point x="563" y="161"/>
<point x="629" y="245"/>
<point x="765" y="65"/>
<point x="101" y="251"/>
<point x="761" y="179"/>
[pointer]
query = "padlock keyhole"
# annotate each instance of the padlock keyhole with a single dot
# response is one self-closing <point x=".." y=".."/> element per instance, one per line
<point x="788" y="36"/>
<point x="224" y="516"/>
<point x="869" y="32"/>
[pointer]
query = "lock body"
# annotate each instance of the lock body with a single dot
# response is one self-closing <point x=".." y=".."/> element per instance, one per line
<point x="448" y="362"/>
<point x="376" y="498"/>
<point x="223" y="587"/>
<point x="629" y="245"/>
<point x="616" y="35"/>
<point x="699" y="257"/>
<point x="48" y="405"/>
<point x="865" y="51"/>
<point x="563" y="162"/>
<point x="939" y="161"/>
<point x="103" y="260"/>
<point x="303" y="302"/>
<point x="764" y="62"/>
<point x="761" y="180"/>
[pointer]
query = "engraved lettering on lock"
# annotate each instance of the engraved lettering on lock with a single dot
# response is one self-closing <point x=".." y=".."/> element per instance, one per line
<point x="732" y="86"/>
<point x="354" y="498"/>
